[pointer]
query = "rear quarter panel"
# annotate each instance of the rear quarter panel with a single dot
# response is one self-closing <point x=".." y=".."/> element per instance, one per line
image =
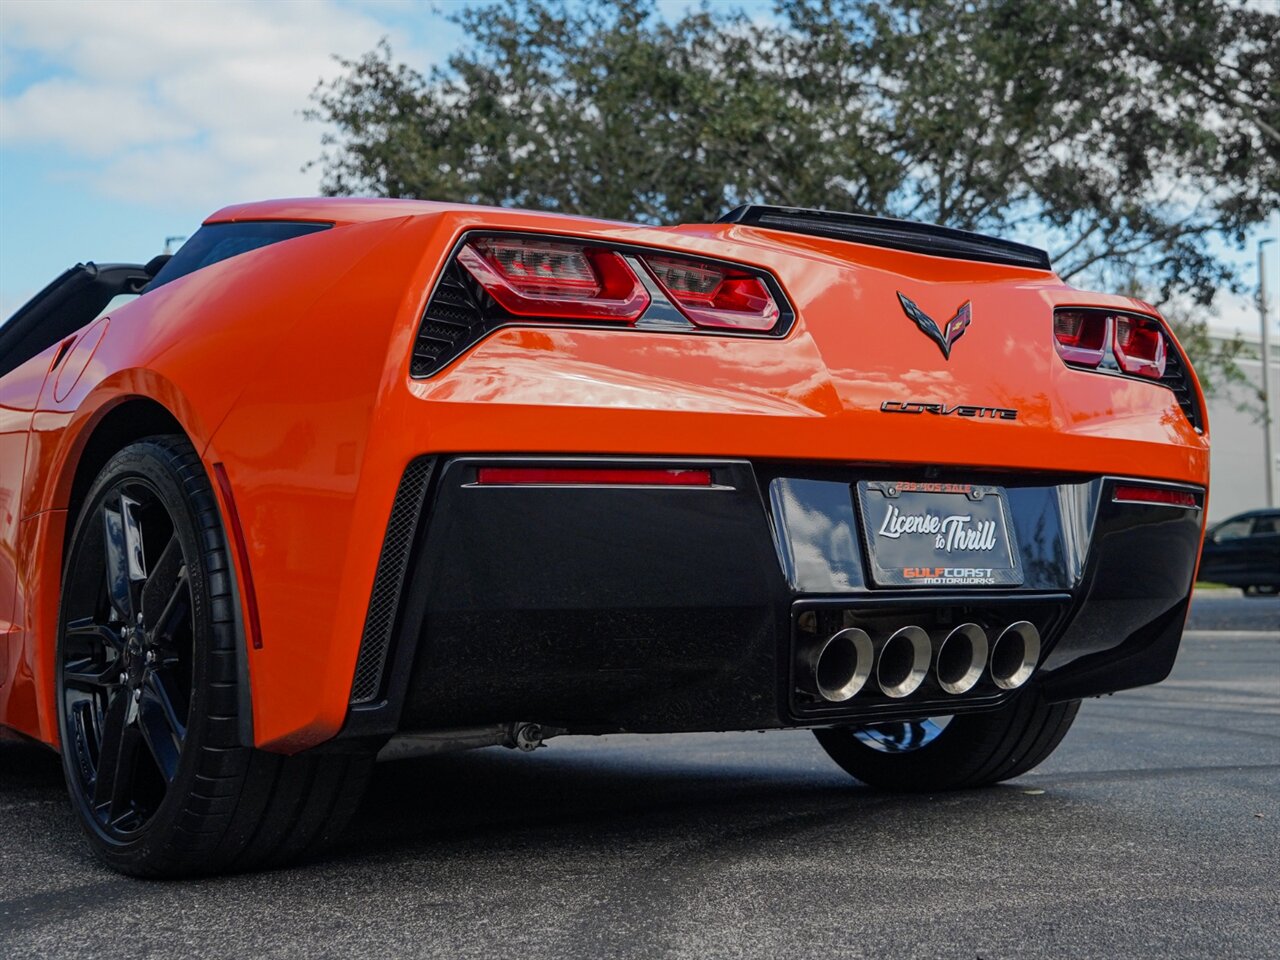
<point x="192" y="346"/>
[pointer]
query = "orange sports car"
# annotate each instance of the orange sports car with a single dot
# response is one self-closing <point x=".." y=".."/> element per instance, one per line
<point x="344" y="477"/>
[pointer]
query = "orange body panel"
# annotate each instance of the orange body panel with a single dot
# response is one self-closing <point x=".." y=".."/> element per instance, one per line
<point x="290" y="367"/>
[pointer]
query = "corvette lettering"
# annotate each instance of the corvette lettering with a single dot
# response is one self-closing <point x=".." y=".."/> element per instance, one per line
<point x="949" y="410"/>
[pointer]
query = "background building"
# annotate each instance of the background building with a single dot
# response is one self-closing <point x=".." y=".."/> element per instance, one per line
<point x="1236" y="459"/>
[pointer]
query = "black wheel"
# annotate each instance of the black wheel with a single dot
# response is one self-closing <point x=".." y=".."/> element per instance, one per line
<point x="149" y="692"/>
<point x="951" y="753"/>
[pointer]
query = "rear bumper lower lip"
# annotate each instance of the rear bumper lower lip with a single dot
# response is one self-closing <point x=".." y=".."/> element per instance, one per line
<point x="628" y="607"/>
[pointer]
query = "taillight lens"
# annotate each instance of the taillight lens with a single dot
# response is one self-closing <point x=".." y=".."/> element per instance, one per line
<point x="1081" y="336"/>
<point x="1139" y="346"/>
<point x="1087" y="338"/>
<point x="547" y="278"/>
<point x="716" y="296"/>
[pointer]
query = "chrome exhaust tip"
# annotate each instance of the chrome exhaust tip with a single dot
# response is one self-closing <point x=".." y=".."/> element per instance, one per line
<point x="962" y="656"/>
<point x="904" y="662"/>
<point x="841" y="666"/>
<point x="1014" y="655"/>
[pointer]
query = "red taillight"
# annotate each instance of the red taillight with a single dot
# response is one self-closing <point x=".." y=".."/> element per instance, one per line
<point x="1139" y="346"/>
<point x="1085" y="337"/>
<point x="547" y="278"/>
<point x="553" y="279"/>
<point x="1126" y="493"/>
<point x="593" y="476"/>
<point x="714" y="295"/>
<point x="1081" y="336"/>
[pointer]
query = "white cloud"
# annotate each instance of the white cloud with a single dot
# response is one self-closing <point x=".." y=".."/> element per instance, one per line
<point x="92" y="120"/>
<point x="197" y="101"/>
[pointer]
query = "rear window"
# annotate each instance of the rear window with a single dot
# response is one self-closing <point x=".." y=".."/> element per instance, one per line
<point x="1266" y="524"/>
<point x="221" y="241"/>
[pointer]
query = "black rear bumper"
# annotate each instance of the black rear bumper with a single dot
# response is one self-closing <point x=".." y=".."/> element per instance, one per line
<point x="630" y="608"/>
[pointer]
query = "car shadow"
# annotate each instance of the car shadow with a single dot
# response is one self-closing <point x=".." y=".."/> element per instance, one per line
<point x="593" y="798"/>
<point x="27" y="766"/>
<point x="487" y="800"/>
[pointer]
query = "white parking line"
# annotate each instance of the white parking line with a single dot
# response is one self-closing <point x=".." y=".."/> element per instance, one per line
<point x="1237" y="634"/>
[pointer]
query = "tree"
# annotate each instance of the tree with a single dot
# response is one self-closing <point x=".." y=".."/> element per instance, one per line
<point x="1128" y="136"/>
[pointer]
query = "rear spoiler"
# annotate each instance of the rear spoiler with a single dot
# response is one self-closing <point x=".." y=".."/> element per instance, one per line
<point x="885" y="232"/>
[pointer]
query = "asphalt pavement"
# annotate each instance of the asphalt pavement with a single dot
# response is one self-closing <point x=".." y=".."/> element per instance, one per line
<point x="1153" y="831"/>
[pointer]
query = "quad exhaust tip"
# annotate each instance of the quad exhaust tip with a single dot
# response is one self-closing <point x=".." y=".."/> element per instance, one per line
<point x="904" y="662"/>
<point x="841" y="666"/>
<point x="962" y="657"/>
<point x="1014" y="655"/>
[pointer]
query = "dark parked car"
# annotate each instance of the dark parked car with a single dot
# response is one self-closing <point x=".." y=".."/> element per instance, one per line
<point x="1244" y="551"/>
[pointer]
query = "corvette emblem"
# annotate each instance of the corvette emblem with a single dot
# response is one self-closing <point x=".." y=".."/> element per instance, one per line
<point x="946" y="338"/>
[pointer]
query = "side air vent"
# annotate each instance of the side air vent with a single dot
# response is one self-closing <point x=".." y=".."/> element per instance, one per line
<point x="388" y="582"/>
<point x="895" y="234"/>
<point x="453" y="320"/>
<point x="1176" y="379"/>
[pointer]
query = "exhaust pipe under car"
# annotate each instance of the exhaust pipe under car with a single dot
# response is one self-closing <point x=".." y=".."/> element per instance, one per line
<point x="1014" y="655"/>
<point x="903" y="663"/>
<point x="962" y="656"/>
<point x="840" y="666"/>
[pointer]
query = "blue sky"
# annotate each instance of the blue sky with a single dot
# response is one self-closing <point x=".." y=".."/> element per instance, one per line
<point x="123" y="123"/>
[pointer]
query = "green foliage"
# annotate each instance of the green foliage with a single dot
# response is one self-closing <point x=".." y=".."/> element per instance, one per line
<point x="1216" y="359"/>
<point x="1122" y="134"/>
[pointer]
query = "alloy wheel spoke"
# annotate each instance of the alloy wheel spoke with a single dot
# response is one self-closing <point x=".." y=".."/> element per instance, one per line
<point x="125" y="658"/>
<point x="164" y="594"/>
<point x="86" y="628"/>
<point x="117" y="758"/>
<point x="161" y="727"/>
<point x="91" y="673"/>
<point x="126" y="565"/>
<point x="84" y="733"/>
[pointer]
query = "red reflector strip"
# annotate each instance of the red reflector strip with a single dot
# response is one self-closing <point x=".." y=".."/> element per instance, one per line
<point x="594" y="476"/>
<point x="242" y="555"/>
<point x="1160" y="495"/>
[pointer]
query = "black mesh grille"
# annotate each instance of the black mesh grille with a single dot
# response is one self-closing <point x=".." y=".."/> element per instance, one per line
<point x="1176" y="379"/>
<point x="388" y="582"/>
<point x="452" y="322"/>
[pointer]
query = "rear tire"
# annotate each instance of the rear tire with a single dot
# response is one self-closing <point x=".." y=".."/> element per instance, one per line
<point x="149" y="692"/>
<point x="971" y="750"/>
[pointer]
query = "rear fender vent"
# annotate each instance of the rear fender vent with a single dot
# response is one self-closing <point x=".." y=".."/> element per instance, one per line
<point x="388" y="581"/>
<point x="1177" y="379"/>
<point x="454" y="319"/>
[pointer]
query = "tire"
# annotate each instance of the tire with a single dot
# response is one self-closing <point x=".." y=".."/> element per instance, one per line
<point x="969" y="750"/>
<point x="149" y="694"/>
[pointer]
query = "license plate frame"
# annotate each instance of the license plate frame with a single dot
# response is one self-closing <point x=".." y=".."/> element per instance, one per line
<point x="928" y="534"/>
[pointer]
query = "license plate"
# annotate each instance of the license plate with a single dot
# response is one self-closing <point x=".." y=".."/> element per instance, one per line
<point x="938" y="535"/>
